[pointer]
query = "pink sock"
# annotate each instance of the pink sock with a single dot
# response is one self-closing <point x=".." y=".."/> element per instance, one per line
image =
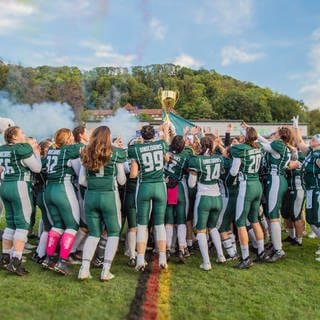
<point x="66" y="244"/>
<point x="53" y="240"/>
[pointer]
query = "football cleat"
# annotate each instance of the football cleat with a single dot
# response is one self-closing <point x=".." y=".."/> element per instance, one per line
<point x="232" y="258"/>
<point x="205" y="266"/>
<point x="48" y="263"/>
<point x="163" y="265"/>
<point x="73" y="259"/>
<point x="221" y="259"/>
<point x="106" y="275"/>
<point x="15" y="266"/>
<point x="29" y="246"/>
<point x="277" y="255"/>
<point x="35" y="258"/>
<point x="4" y="260"/>
<point x="141" y="267"/>
<point x="262" y="257"/>
<point x="186" y="252"/>
<point x="84" y="273"/>
<point x="63" y="267"/>
<point x="168" y="254"/>
<point x="181" y="256"/>
<point x="296" y="243"/>
<point x="132" y="262"/>
<point x="289" y="239"/>
<point x="244" y="264"/>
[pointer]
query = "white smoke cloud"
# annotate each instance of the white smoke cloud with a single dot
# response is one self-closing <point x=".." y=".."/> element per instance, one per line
<point x="40" y="120"/>
<point x="123" y="124"/>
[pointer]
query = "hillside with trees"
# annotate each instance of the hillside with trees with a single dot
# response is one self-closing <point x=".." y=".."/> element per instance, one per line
<point x="204" y="94"/>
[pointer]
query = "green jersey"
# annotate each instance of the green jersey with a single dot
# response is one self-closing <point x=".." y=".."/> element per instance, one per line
<point x="150" y="158"/>
<point x="250" y="161"/>
<point x="105" y="178"/>
<point x="278" y="165"/>
<point x="311" y="171"/>
<point x="294" y="176"/>
<point x="11" y="157"/>
<point x="57" y="162"/>
<point x="177" y="165"/>
<point x="209" y="168"/>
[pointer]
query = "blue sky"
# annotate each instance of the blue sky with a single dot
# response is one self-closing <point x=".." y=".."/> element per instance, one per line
<point x="275" y="44"/>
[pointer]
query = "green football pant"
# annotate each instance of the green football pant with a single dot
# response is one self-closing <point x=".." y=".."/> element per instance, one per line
<point x="102" y="209"/>
<point x="18" y="203"/>
<point x="248" y="202"/>
<point x="151" y="196"/>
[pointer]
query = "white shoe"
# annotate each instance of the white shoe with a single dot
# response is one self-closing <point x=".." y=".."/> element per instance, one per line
<point x="84" y="274"/>
<point x="29" y="246"/>
<point x="163" y="265"/>
<point x="205" y="266"/>
<point x="312" y="235"/>
<point x="221" y="259"/>
<point x="106" y="275"/>
<point x="141" y="267"/>
<point x="317" y="252"/>
<point x="317" y="259"/>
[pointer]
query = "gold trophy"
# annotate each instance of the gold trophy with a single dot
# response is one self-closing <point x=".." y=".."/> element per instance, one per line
<point x="168" y="100"/>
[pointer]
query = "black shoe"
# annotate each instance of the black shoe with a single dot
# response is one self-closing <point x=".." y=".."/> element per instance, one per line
<point x="232" y="258"/>
<point x="132" y="262"/>
<point x="261" y="258"/>
<point x="15" y="266"/>
<point x="62" y="266"/>
<point x="186" y="253"/>
<point x="181" y="256"/>
<point x="168" y="255"/>
<point x="4" y="260"/>
<point x="48" y="263"/>
<point x="244" y="264"/>
<point x="296" y="243"/>
<point x="289" y="239"/>
<point x="277" y="255"/>
<point x="190" y="249"/>
<point x="97" y="262"/>
<point x="35" y="258"/>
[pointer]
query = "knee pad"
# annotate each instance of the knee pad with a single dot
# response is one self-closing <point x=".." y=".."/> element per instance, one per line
<point x="8" y="234"/>
<point x="21" y="234"/>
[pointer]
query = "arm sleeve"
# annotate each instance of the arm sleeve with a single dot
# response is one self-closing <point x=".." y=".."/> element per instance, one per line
<point x="121" y="175"/>
<point x="266" y="145"/>
<point x="192" y="180"/>
<point x="236" y="163"/>
<point x="75" y="164"/>
<point x="83" y="176"/>
<point x="33" y="163"/>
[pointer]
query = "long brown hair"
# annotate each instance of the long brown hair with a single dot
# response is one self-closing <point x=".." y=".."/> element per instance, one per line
<point x="285" y="135"/>
<point x="98" y="152"/>
<point x="251" y="137"/>
<point x="62" y="137"/>
<point x="207" y="145"/>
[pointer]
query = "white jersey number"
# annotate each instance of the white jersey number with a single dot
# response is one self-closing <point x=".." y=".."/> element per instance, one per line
<point x="152" y="161"/>
<point x="6" y="164"/>
<point x="255" y="163"/>
<point x="52" y="161"/>
<point x="215" y="174"/>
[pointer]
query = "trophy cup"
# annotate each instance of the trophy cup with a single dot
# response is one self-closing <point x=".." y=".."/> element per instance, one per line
<point x="168" y="100"/>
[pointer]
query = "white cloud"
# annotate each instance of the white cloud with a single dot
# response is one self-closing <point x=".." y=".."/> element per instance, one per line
<point x="158" y="30"/>
<point x="311" y="94"/>
<point x="185" y="60"/>
<point x="12" y="14"/>
<point x="229" y="16"/>
<point x="104" y="54"/>
<point x="316" y="34"/>
<point x="233" y="54"/>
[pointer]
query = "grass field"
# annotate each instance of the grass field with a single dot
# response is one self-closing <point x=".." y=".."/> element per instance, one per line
<point x="288" y="289"/>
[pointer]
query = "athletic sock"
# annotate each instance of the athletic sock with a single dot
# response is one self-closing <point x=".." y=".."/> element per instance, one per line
<point x="182" y="233"/>
<point x="41" y="249"/>
<point x="80" y="236"/>
<point x="292" y="233"/>
<point x="216" y="239"/>
<point x="275" y="230"/>
<point x="17" y="254"/>
<point x="253" y="238"/>
<point x="260" y="246"/>
<point x="189" y="243"/>
<point x="234" y="242"/>
<point x="110" y="251"/>
<point x="101" y="247"/>
<point x="131" y="240"/>
<point x="227" y="244"/>
<point x="244" y="251"/>
<point x="316" y="230"/>
<point x="169" y="235"/>
<point x="140" y="259"/>
<point x="89" y="249"/>
<point x="203" y="246"/>
<point x="66" y="243"/>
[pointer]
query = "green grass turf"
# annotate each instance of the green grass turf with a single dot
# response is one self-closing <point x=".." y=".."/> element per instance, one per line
<point x="288" y="289"/>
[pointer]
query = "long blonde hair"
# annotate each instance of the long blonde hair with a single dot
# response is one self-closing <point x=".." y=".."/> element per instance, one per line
<point x="98" y="152"/>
